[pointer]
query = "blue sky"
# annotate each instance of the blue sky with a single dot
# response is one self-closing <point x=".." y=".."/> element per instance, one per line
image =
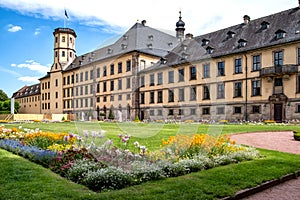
<point x="26" y="26"/>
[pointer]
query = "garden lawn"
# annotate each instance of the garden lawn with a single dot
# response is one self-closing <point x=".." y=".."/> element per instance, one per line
<point x="21" y="179"/>
<point x="150" y="134"/>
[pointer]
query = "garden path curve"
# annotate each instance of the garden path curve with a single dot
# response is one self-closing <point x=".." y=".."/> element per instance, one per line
<point x="279" y="141"/>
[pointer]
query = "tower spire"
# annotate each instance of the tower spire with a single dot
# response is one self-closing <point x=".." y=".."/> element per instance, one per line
<point x="180" y="28"/>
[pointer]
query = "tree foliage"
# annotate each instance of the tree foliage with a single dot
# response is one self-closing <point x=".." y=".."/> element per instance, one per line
<point x="3" y="95"/>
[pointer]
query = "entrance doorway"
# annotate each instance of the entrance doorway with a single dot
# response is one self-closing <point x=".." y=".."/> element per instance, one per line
<point x="278" y="112"/>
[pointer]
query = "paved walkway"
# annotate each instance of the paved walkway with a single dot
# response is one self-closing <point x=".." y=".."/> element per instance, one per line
<point x="279" y="141"/>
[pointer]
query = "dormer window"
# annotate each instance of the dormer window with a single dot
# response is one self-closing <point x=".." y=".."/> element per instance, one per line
<point x="184" y="56"/>
<point x="170" y="44"/>
<point x="163" y="61"/>
<point x="209" y="50"/>
<point x="205" y="42"/>
<point x="184" y="47"/>
<point x="149" y="46"/>
<point x="125" y="37"/>
<point x="80" y="62"/>
<point x="242" y="42"/>
<point x="92" y="54"/>
<point x="82" y="57"/>
<point x="109" y="51"/>
<point x="230" y="34"/>
<point x="90" y="59"/>
<point x="264" y="25"/>
<point x="123" y="46"/>
<point x="280" y="34"/>
<point x="150" y="37"/>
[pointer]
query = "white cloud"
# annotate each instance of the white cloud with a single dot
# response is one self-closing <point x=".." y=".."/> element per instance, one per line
<point x="37" y="31"/>
<point x="14" y="28"/>
<point x="33" y="66"/>
<point x="9" y="71"/>
<point x="29" y="79"/>
<point x="199" y="16"/>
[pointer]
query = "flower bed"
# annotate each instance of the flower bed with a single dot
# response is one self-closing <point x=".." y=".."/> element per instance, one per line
<point x="108" y="167"/>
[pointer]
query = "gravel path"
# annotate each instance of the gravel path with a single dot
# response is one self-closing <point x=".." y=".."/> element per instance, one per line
<point x="279" y="141"/>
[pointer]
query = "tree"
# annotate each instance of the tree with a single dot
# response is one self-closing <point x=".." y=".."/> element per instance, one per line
<point x="111" y="114"/>
<point x="3" y="95"/>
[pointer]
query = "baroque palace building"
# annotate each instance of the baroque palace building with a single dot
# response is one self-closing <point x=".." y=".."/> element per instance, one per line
<point x="249" y="71"/>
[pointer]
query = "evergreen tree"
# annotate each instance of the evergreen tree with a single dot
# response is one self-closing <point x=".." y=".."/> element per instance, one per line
<point x="3" y="95"/>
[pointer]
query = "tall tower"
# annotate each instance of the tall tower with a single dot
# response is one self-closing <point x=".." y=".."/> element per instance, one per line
<point x="180" y="28"/>
<point x="64" y="48"/>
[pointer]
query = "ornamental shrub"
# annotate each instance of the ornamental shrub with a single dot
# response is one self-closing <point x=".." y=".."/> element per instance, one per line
<point x="297" y="135"/>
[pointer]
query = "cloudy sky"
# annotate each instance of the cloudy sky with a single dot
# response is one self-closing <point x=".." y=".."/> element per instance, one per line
<point x="26" y="26"/>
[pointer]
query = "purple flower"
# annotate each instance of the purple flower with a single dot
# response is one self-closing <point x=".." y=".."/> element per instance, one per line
<point x="94" y="134"/>
<point x="86" y="133"/>
<point x="120" y="135"/>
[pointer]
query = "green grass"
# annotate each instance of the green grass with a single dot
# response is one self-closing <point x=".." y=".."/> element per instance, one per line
<point x="149" y="135"/>
<point x="21" y="179"/>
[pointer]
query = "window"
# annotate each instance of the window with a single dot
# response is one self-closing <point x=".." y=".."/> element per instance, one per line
<point x="206" y="94"/>
<point x="142" y="81"/>
<point x="193" y="93"/>
<point x="181" y="94"/>
<point x="56" y="82"/>
<point x="238" y="89"/>
<point x="151" y="112"/>
<point x="91" y="89"/>
<point x="237" y="110"/>
<point x="256" y="88"/>
<point x="193" y="111"/>
<point x="56" y="95"/>
<point x="205" y="111"/>
<point x="91" y="74"/>
<point x="171" y="95"/>
<point x="119" y="97"/>
<point x="220" y="110"/>
<point x="159" y="112"/>
<point x="180" y="112"/>
<point x="297" y="108"/>
<point x="112" y="69"/>
<point x="193" y="73"/>
<point x="112" y="85"/>
<point x="86" y="75"/>
<point x="98" y="99"/>
<point x="128" y="65"/>
<point x="159" y="96"/>
<point x="280" y="34"/>
<point x="120" y="84"/>
<point x="220" y="91"/>
<point x="151" y="97"/>
<point x="104" y="99"/>
<point x="120" y="67"/>
<point x="104" y="71"/>
<point x="63" y="53"/>
<point x="298" y="56"/>
<point x="298" y="84"/>
<point x="68" y="80"/>
<point x="255" y="109"/>
<point x="221" y="68"/>
<point x="127" y="96"/>
<point x="206" y="71"/>
<point x="81" y="90"/>
<point x="171" y="112"/>
<point x="98" y="72"/>
<point x="142" y="98"/>
<point x="171" y="76"/>
<point x="151" y="79"/>
<point x="278" y="82"/>
<point x="278" y="58"/>
<point x="81" y="76"/>
<point x="256" y="62"/>
<point x="63" y="38"/>
<point x="98" y="87"/>
<point x="142" y="64"/>
<point x="128" y="82"/>
<point x="180" y="75"/>
<point x="56" y="39"/>
<point x="104" y="86"/>
<point x="86" y="89"/>
<point x="112" y="98"/>
<point x="160" y="78"/>
<point x="238" y="66"/>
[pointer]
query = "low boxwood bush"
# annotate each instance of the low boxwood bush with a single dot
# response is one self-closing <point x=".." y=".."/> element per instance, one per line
<point x="297" y="135"/>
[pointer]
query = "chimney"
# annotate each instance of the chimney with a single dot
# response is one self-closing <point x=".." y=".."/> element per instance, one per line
<point x="247" y="19"/>
<point x="189" y="36"/>
<point x="144" y="22"/>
